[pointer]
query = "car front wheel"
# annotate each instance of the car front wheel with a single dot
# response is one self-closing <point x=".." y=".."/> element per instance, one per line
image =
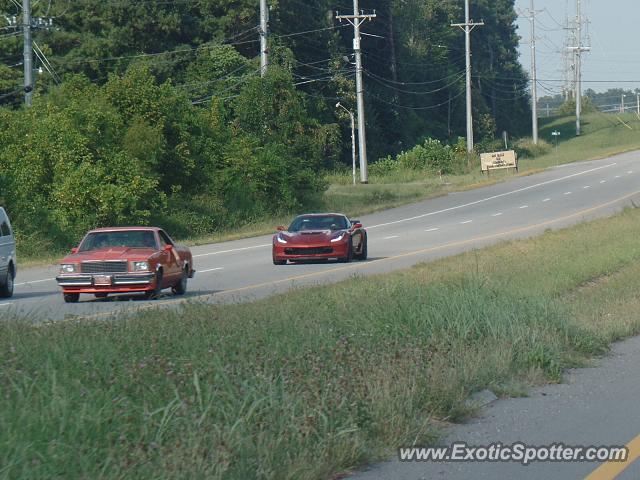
<point x="6" y="288"/>
<point x="180" y="288"/>
<point x="71" y="297"/>
<point x="155" y="293"/>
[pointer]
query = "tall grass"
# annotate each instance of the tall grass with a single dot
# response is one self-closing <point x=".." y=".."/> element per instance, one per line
<point x="310" y="383"/>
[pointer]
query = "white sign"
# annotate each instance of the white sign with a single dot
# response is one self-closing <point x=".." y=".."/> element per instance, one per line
<point x="497" y="160"/>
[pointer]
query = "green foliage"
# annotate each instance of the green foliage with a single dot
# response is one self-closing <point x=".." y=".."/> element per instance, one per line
<point x="526" y="148"/>
<point x="432" y="156"/>
<point x="135" y="151"/>
<point x="569" y="107"/>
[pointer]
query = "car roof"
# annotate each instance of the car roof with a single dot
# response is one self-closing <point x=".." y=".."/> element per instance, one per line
<point x="125" y="229"/>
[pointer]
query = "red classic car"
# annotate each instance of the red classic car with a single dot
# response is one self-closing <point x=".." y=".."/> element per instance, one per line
<point x="125" y="260"/>
<point x="320" y="236"/>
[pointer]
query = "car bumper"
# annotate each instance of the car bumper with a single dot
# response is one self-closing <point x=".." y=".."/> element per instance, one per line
<point x="119" y="283"/>
<point x="309" y="252"/>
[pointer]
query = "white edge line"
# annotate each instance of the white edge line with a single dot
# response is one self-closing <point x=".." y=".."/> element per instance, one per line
<point x="492" y="197"/>
<point x="5" y="304"/>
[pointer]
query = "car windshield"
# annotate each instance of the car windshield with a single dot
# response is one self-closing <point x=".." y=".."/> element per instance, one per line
<point x="319" y="222"/>
<point x="128" y="238"/>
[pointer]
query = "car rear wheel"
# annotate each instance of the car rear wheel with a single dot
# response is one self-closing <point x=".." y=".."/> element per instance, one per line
<point x="363" y="254"/>
<point x="155" y="293"/>
<point x="180" y="288"/>
<point x="71" y="297"/>
<point x="6" y="288"/>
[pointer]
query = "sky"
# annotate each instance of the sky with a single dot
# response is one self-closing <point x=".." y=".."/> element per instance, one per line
<point x="612" y="33"/>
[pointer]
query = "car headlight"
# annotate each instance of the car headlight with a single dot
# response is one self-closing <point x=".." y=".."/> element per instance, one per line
<point x="140" y="266"/>
<point x="67" y="268"/>
<point x="338" y="238"/>
<point x="280" y="239"/>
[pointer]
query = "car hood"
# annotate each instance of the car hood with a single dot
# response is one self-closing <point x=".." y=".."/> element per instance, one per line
<point x="311" y="237"/>
<point x="110" y="254"/>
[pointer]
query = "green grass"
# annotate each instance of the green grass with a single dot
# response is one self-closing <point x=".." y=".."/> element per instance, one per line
<point x="317" y="381"/>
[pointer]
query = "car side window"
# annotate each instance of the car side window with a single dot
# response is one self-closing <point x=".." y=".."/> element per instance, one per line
<point x="164" y="239"/>
<point x="4" y="229"/>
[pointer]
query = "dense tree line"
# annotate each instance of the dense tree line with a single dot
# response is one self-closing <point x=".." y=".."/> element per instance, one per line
<point x="163" y="102"/>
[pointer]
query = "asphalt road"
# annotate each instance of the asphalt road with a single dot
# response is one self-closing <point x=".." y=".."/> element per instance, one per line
<point x="242" y="270"/>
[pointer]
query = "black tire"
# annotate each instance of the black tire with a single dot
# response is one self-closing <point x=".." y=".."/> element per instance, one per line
<point x="278" y="262"/>
<point x="71" y="297"/>
<point x="180" y="288"/>
<point x="349" y="256"/>
<point x="100" y="295"/>
<point x="363" y="254"/>
<point x="155" y="293"/>
<point x="6" y="288"/>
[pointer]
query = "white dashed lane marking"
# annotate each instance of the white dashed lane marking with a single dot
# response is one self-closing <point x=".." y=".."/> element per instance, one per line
<point x="586" y="186"/>
<point x="392" y="237"/>
<point x="524" y="206"/>
<point x="603" y="181"/>
<point x="567" y="193"/>
<point x="210" y="270"/>
<point x="35" y="281"/>
<point x="432" y="230"/>
<point x="465" y="222"/>
<point x="546" y="200"/>
<point x="233" y="250"/>
<point x="497" y="214"/>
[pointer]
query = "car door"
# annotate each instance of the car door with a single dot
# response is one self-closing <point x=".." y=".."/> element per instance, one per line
<point x="170" y="258"/>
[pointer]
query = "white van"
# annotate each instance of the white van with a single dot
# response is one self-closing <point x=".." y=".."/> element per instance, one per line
<point x="8" y="267"/>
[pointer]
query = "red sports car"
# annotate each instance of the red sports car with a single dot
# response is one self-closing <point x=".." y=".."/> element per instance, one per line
<point x="320" y="236"/>
<point x="125" y="260"/>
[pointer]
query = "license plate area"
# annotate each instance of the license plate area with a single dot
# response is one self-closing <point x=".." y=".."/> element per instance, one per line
<point x="101" y="280"/>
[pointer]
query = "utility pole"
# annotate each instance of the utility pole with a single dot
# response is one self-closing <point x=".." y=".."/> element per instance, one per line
<point x="27" y="52"/>
<point x="468" y="26"/>
<point x="353" y="138"/>
<point x="534" y="80"/>
<point x="578" y="48"/>
<point x="622" y="103"/>
<point x="356" y="20"/>
<point x="264" y="37"/>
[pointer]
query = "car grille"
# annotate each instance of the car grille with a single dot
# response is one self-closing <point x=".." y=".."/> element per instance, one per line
<point x="104" y="267"/>
<point x="308" y="251"/>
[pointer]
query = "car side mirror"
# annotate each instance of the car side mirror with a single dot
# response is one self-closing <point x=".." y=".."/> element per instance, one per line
<point x="357" y="224"/>
<point x="168" y="247"/>
<point x="280" y="228"/>
<point x="74" y="250"/>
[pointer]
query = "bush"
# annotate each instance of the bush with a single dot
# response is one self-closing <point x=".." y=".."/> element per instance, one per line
<point x="525" y="148"/>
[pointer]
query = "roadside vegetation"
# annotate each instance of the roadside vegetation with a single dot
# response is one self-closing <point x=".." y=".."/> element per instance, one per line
<point x="316" y="381"/>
